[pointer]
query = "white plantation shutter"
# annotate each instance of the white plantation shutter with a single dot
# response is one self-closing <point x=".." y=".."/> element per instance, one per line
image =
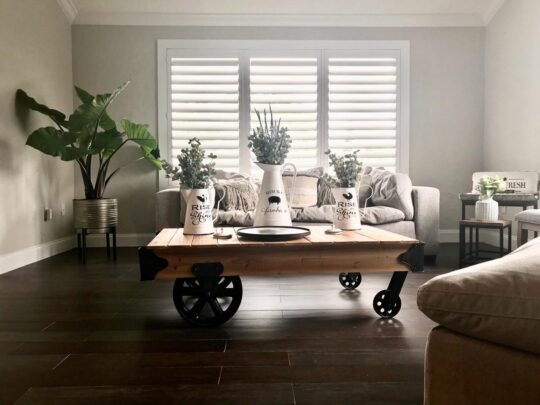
<point x="204" y="103"/>
<point x="290" y="86"/>
<point x="338" y="95"/>
<point x="363" y="108"/>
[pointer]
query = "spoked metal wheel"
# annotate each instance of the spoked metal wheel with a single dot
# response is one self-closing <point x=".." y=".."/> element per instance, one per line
<point x="207" y="301"/>
<point x="350" y="280"/>
<point x="387" y="304"/>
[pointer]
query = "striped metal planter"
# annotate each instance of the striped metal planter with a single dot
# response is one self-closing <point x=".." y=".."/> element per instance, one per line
<point x="95" y="214"/>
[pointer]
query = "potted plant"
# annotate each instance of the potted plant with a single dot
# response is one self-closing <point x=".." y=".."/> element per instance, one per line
<point x="91" y="139"/>
<point x="486" y="208"/>
<point x="270" y="143"/>
<point x="347" y="169"/>
<point x="195" y="178"/>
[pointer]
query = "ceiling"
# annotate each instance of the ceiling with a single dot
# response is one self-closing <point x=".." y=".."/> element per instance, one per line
<point x="282" y="12"/>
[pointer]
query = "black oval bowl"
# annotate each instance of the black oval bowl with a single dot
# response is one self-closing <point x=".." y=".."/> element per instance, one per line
<point x="287" y="233"/>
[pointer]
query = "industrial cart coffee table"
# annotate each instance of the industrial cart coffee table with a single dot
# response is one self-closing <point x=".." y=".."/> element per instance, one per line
<point x="208" y="289"/>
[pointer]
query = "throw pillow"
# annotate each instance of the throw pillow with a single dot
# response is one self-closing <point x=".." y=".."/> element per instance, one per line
<point x="392" y="190"/>
<point x="235" y="195"/>
<point x="305" y="187"/>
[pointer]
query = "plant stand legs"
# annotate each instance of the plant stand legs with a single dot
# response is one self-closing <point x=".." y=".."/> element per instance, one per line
<point x="81" y="243"/>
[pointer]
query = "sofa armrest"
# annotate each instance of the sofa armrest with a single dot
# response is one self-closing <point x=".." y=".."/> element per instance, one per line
<point x="426" y="201"/>
<point x="168" y="209"/>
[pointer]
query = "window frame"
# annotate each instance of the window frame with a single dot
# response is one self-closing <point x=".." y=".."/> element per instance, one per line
<point x="243" y="49"/>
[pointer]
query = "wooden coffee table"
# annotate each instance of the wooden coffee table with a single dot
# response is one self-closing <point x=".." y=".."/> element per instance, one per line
<point x="208" y="289"/>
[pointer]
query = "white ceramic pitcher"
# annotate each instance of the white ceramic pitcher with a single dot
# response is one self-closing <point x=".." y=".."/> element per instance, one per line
<point x="272" y="208"/>
<point x="347" y="214"/>
<point x="199" y="219"/>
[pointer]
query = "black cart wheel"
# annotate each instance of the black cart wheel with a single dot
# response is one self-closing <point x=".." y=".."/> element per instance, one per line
<point x="350" y="280"/>
<point x="207" y="301"/>
<point x="387" y="304"/>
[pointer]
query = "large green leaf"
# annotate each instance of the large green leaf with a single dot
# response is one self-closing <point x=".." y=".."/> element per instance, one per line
<point x="106" y="142"/>
<point x="153" y="156"/>
<point x="83" y="95"/>
<point x="24" y="99"/>
<point x="139" y="134"/>
<point x="91" y="115"/>
<point x="54" y="142"/>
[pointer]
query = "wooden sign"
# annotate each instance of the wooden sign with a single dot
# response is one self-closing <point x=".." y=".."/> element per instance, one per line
<point x="517" y="182"/>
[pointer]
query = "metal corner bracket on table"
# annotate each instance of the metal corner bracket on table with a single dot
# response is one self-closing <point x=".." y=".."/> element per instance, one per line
<point x="150" y="264"/>
<point x="414" y="258"/>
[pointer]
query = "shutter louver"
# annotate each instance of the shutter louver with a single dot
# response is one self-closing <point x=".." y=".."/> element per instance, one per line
<point x="362" y="108"/>
<point x="289" y="85"/>
<point x="205" y="105"/>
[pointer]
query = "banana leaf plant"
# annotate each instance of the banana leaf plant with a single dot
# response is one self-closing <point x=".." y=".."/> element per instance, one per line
<point x="90" y="137"/>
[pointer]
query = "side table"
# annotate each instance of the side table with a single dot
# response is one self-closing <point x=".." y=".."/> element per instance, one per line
<point x="469" y="250"/>
<point x="81" y="241"/>
<point x="523" y="200"/>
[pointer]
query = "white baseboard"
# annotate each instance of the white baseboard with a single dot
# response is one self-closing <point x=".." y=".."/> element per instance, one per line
<point x="23" y="257"/>
<point x="449" y="235"/>
<point x="122" y="239"/>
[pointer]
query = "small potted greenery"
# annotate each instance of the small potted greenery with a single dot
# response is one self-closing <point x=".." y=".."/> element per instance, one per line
<point x="347" y="168"/>
<point x="486" y="208"/>
<point x="270" y="143"/>
<point x="91" y="139"/>
<point x="195" y="174"/>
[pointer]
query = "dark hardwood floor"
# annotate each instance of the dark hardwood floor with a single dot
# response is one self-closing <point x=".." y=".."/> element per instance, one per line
<point x="72" y="334"/>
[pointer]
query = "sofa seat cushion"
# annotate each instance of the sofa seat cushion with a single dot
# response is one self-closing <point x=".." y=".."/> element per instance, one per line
<point x="529" y="216"/>
<point x="498" y="301"/>
<point x="371" y="215"/>
<point x="322" y="214"/>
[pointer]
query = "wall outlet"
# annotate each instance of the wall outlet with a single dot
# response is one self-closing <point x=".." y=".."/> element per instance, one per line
<point x="63" y="210"/>
<point x="47" y="214"/>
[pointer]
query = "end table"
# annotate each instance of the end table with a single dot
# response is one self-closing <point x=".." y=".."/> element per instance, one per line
<point x="469" y="250"/>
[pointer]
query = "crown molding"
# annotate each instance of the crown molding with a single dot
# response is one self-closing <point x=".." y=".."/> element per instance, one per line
<point x="69" y="9"/>
<point x="281" y="20"/>
<point x="492" y="11"/>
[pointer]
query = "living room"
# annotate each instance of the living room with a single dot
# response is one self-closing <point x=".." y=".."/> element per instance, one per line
<point x="251" y="202"/>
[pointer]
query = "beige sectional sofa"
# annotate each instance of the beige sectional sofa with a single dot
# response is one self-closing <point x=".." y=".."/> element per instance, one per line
<point x="487" y="349"/>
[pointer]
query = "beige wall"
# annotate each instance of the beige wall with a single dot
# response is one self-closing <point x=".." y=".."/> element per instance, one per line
<point x="447" y="91"/>
<point x="35" y="49"/>
<point x="512" y="108"/>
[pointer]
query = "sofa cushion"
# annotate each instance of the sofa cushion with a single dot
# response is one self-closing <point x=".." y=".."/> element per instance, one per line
<point x="498" y="301"/>
<point x="325" y="213"/>
<point x="305" y="187"/>
<point x="392" y="190"/>
<point x="529" y="216"/>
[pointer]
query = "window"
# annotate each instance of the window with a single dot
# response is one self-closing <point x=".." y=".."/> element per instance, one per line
<point x="342" y="95"/>
<point x="362" y="108"/>
<point x="204" y="103"/>
<point x="289" y="85"/>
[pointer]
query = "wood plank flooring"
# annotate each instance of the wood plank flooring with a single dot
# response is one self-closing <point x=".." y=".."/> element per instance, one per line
<point x="87" y="334"/>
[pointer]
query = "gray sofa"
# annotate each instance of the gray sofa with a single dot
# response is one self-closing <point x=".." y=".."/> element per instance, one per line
<point x="423" y="226"/>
